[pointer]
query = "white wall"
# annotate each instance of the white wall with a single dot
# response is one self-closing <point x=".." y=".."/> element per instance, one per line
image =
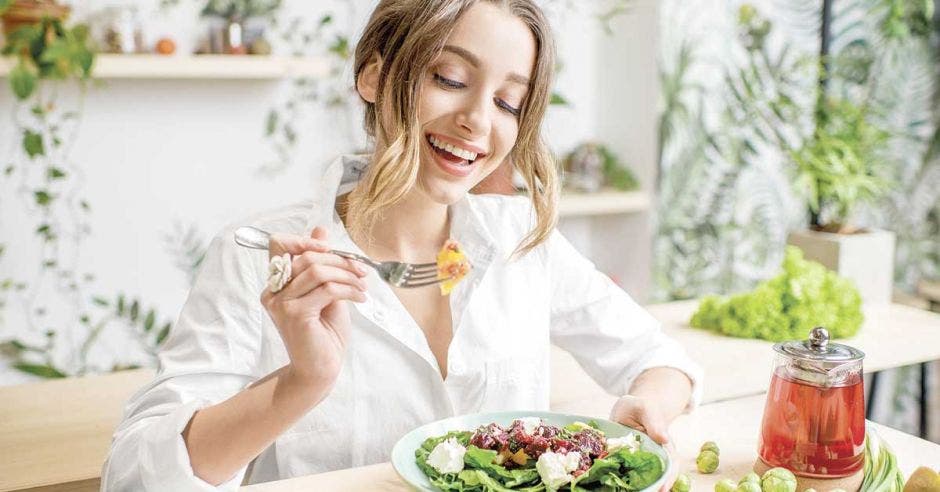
<point x="158" y="152"/>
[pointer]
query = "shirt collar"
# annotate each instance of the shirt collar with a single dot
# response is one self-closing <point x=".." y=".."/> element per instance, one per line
<point x="468" y="228"/>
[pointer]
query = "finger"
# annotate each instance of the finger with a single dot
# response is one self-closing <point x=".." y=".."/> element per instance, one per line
<point x="331" y="292"/>
<point x="319" y="233"/>
<point x="315" y="275"/>
<point x="294" y="245"/>
<point x="656" y="429"/>
<point x="301" y="262"/>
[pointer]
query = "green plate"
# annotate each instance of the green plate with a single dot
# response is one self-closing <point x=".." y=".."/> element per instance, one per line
<point x="403" y="454"/>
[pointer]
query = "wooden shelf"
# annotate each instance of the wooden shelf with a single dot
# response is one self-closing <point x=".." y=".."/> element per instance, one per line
<point x="210" y="67"/>
<point x="603" y="203"/>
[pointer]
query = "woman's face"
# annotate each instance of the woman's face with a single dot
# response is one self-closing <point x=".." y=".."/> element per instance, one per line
<point x="470" y="100"/>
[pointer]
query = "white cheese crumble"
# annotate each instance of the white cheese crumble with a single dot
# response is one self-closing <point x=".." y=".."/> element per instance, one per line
<point x="628" y="441"/>
<point x="447" y="456"/>
<point x="529" y="424"/>
<point x="555" y="469"/>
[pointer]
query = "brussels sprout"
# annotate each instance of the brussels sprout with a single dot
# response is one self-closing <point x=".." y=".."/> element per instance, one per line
<point x="748" y="487"/>
<point x="683" y="484"/>
<point x="707" y="462"/>
<point x="726" y="485"/>
<point x="778" y="480"/>
<point x="750" y="477"/>
<point x="709" y="446"/>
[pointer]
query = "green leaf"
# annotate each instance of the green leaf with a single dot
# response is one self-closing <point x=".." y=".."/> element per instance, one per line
<point x="43" y="198"/>
<point x="340" y="47"/>
<point x="163" y="333"/>
<point x="120" y="305"/>
<point x="32" y="143"/>
<point x="558" y="99"/>
<point x="55" y="173"/>
<point x="149" y="320"/>
<point x="101" y="301"/>
<point x="46" y="371"/>
<point x="45" y="231"/>
<point x="271" y="123"/>
<point x="22" y="81"/>
<point x="4" y="5"/>
<point x="135" y="310"/>
<point x="9" y="169"/>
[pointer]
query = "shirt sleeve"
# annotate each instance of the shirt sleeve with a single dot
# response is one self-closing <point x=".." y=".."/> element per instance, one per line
<point x="611" y="336"/>
<point x="207" y="358"/>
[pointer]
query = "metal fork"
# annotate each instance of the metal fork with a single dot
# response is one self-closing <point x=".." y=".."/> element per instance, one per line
<point x="397" y="273"/>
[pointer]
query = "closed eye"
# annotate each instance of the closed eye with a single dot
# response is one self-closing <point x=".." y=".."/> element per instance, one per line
<point x="452" y="84"/>
<point x="506" y="107"/>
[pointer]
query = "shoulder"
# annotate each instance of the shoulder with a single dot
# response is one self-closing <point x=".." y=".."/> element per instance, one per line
<point x="508" y="219"/>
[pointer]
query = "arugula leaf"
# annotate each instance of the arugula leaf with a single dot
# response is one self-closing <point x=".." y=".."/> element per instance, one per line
<point x="600" y="467"/>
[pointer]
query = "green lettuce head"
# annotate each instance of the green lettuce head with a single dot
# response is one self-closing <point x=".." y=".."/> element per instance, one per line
<point x="726" y="485"/>
<point x="683" y="484"/>
<point x="707" y="462"/>
<point x="710" y="446"/>
<point x="750" y="477"/>
<point x="778" y="480"/>
<point x="805" y="294"/>
<point x="748" y="487"/>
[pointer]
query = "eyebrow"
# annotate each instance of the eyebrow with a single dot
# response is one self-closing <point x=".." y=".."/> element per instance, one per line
<point x="475" y="61"/>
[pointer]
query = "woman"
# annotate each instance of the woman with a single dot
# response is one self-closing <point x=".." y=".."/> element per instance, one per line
<point x="329" y="370"/>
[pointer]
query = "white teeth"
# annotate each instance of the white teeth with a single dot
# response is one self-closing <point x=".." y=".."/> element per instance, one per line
<point x="463" y="154"/>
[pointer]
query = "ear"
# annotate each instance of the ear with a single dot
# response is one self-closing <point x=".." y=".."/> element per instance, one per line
<point x="368" y="81"/>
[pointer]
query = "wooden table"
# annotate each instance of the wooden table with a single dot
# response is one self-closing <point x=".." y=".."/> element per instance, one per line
<point x="733" y="425"/>
<point x="54" y="435"/>
<point x="58" y="432"/>
<point x="892" y="336"/>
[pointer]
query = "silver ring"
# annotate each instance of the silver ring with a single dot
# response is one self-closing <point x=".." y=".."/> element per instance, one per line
<point x="279" y="270"/>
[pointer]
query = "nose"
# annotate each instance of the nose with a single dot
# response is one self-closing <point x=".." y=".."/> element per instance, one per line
<point x="473" y="116"/>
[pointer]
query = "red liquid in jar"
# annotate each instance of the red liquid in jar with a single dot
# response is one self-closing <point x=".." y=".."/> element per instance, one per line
<point x="814" y="431"/>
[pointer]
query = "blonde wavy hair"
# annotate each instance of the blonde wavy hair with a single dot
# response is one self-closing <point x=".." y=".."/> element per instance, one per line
<point x="408" y="35"/>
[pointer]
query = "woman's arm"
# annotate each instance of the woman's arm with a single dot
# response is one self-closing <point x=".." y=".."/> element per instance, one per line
<point x="224" y="438"/>
<point x="313" y="321"/>
<point x="671" y="388"/>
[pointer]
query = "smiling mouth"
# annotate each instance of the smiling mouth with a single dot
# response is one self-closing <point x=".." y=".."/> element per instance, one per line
<point x="452" y="153"/>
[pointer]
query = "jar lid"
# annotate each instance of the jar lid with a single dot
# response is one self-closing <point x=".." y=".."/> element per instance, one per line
<point x="819" y="348"/>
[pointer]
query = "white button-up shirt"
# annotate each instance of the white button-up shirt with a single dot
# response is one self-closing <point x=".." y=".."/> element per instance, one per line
<point x="506" y="313"/>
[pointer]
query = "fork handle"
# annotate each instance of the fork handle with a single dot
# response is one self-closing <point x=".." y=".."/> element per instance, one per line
<point x="254" y="238"/>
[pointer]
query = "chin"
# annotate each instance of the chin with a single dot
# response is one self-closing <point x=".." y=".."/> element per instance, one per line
<point x="444" y="193"/>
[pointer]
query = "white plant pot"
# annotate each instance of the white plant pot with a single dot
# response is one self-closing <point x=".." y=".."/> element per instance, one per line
<point x="865" y="258"/>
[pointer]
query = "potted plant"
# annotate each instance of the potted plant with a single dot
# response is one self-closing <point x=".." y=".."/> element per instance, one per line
<point x="19" y="13"/>
<point x="235" y="13"/>
<point x="838" y="168"/>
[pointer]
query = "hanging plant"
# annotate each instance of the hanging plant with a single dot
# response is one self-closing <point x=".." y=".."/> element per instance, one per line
<point x="47" y="53"/>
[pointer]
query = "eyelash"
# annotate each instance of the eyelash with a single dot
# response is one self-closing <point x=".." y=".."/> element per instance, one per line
<point x="453" y="84"/>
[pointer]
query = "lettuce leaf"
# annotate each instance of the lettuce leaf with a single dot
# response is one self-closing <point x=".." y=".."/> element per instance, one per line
<point x="622" y="470"/>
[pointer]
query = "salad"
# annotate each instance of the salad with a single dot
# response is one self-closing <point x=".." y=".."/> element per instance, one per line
<point x="452" y="266"/>
<point x="531" y="455"/>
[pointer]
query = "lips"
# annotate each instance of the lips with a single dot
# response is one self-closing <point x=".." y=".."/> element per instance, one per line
<point x="450" y="163"/>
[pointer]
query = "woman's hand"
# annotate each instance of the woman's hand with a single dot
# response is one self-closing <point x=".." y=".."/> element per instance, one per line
<point x="644" y="414"/>
<point x="310" y="312"/>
